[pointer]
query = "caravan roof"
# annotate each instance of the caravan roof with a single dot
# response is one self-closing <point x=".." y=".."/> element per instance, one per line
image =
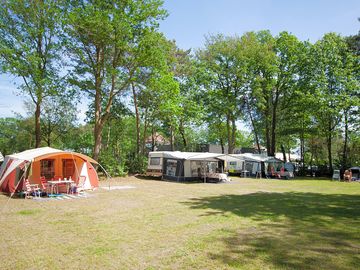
<point x="187" y="155"/>
<point x="255" y="157"/>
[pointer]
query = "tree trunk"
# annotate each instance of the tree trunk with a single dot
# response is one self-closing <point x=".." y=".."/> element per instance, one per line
<point x="329" y="142"/>
<point x="98" y="139"/>
<point x="273" y="128"/>
<point x="228" y="134"/>
<point x="37" y="125"/>
<point x="137" y="120"/>
<point x="267" y="135"/>
<point x="302" y="148"/>
<point x="253" y="126"/>
<point x="98" y="121"/>
<point x="231" y="130"/>
<point x="108" y="137"/>
<point x="145" y="131"/>
<point x="172" y="148"/>
<point x="222" y="146"/>
<point x="49" y="134"/>
<point x="152" y="139"/>
<point x="283" y="152"/>
<point x="182" y="133"/>
<point x="233" y="135"/>
<point x="346" y="131"/>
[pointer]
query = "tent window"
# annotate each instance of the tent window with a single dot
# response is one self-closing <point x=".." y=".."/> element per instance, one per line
<point x="249" y="166"/>
<point x="47" y="168"/>
<point x="68" y="167"/>
<point x="171" y="165"/>
<point x="195" y="168"/>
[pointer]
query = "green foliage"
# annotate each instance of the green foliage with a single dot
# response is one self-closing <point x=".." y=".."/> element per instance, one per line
<point x="139" y="83"/>
<point x="137" y="164"/>
<point x="30" y="48"/>
<point x="111" y="44"/>
<point x="80" y="139"/>
<point x="111" y="164"/>
<point x="16" y="134"/>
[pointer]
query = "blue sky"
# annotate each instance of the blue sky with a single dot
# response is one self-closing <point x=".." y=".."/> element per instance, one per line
<point x="190" y="20"/>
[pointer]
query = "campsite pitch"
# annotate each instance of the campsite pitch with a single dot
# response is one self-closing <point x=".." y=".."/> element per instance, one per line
<point x="248" y="224"/>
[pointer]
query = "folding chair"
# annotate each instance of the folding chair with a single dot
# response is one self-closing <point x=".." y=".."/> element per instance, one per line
<point x="31" y="189"/>
<point x="80" y="186"/>
<point x="45" y="187"/>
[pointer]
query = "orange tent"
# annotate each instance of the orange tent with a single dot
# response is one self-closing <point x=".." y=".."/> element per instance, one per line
<point x="47" y="162"/>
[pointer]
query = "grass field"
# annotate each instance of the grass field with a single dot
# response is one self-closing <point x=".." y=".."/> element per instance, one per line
<point x="247" y="224"/>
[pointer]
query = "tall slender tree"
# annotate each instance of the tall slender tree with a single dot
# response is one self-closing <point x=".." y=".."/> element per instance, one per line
<point x="102" y="39"/>
<point x="334" y="83"/>
<point x="30" y="48"/>
<point x="223" y="82"/>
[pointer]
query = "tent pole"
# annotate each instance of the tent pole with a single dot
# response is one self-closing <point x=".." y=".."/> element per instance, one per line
<point x="12" y="193"/>
<point x="106" y="173"/>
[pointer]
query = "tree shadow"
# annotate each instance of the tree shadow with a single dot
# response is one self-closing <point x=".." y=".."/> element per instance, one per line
<point x="289" y="230"/>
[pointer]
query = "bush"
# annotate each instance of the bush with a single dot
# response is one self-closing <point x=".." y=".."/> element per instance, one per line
<point x="113" y="165"/>
<point x="137" y="164"/>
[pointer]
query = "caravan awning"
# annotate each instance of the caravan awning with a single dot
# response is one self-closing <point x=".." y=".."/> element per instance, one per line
<point x="255" y="158"/>
<point x="193" y="156"/>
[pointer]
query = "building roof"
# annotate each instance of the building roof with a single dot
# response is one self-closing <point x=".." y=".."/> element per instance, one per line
<point x="158" y="139"/>
<point x="291" y="157"/>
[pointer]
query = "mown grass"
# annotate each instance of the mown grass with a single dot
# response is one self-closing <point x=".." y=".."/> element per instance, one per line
<point x="248" y="224"/>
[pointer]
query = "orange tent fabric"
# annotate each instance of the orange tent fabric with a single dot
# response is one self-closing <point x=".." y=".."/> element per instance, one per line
<point x="48" y="162"/>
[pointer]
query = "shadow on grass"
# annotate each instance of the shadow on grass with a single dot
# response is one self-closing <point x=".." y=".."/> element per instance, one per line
<point x="288" y="230"/>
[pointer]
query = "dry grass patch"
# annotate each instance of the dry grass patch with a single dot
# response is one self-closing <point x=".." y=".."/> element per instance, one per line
<point x="263" y="224"/>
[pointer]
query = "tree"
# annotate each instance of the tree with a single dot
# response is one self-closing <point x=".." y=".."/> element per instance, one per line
<point x="59" y="116"/>
<point x="334" y="86"/>
<point x="273" y="81"/>
<point x="223" y="81"/>
<point x="30" y="48"/>
<point x="153" y="60"/>
<point x="16" y="134"/>
<point x="102" y="38"/>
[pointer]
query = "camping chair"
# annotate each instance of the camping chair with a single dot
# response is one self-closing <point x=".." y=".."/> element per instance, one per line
<point x="45" y="187"/>
<point x="76" y="188"/>
<point x="31" y="189"/>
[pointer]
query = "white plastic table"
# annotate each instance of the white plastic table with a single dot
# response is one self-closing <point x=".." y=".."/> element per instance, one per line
<point x="53" y="184"/>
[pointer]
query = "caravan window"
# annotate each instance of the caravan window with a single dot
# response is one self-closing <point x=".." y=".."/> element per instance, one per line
<point x="47" y="168"/>
<point x="155" y="161"/>
<point x="68" y="167"/>
<point x="232" y="163"/>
